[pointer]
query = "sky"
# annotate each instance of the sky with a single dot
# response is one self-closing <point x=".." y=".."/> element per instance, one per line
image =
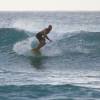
<point x="49" y="5"/>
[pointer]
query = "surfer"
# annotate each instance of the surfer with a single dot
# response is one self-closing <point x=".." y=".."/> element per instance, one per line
<point x="42" y="36"/>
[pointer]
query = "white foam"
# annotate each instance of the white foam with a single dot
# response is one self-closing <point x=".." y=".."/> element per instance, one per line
<point x="24" y="47"/>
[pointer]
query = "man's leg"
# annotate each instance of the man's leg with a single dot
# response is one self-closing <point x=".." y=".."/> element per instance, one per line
<point x="40" y="45"/>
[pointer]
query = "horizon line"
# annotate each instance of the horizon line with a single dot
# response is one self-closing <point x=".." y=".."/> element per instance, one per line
<point x="49" y="10"/>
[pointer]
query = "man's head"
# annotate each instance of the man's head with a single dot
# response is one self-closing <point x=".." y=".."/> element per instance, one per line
<point x="50" y="27"/>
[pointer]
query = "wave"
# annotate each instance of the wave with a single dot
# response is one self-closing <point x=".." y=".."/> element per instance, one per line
<point x="9" y="36"/>
<point x="81" y="42"/>
<point x="49" y="92"/>
<point x="69" y="43"/>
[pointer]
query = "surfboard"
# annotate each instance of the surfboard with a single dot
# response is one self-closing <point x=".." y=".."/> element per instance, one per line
<point x="34" y="45"/>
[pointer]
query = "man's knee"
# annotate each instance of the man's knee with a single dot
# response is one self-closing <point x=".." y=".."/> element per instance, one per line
<point x="43" y="43"/>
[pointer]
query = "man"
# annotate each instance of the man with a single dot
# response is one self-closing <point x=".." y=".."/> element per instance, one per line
<point x="42" y="36"/>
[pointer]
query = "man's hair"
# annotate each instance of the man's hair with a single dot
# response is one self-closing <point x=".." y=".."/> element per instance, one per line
<point x="50" y="26"/>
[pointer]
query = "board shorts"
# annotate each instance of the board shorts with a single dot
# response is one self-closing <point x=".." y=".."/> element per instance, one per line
<point x="40" y="38"/>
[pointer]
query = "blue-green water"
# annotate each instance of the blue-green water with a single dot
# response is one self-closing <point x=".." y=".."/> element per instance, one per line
<point x="68" y="68"/>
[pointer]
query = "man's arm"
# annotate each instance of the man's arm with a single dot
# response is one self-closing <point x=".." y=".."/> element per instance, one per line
<point x="45" y="35"/>
<point x="48" y="38"/>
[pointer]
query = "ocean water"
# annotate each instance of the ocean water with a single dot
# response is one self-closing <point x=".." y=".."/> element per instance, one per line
<point x="68" y="68"/>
